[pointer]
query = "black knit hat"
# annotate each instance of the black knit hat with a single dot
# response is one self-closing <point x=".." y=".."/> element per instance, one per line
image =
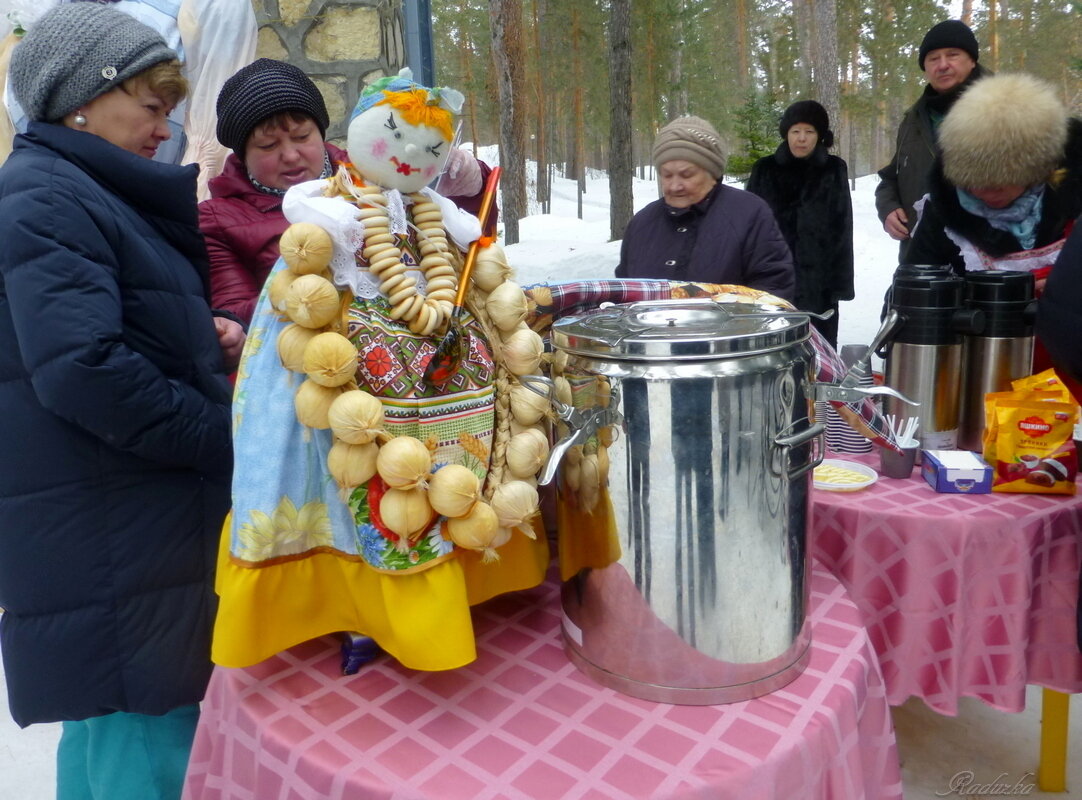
<point x="811" y="113"/>
<point x="949" y="33"/>
<point x="260" y="90"/>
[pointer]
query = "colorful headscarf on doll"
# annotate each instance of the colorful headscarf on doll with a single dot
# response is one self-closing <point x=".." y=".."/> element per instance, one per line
<point x="376" y="93"/>
<point x="400" y="132"/>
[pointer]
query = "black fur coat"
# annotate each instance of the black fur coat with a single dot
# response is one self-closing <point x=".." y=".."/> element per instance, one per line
<point x="810" y="200"/>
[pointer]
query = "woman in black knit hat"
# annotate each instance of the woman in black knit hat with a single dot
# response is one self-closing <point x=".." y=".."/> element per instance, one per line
<point x="808" y="191"/>
<point x="273" y="118"/>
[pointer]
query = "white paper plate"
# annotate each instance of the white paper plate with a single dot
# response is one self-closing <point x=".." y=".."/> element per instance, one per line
<point x="868" y="476"/>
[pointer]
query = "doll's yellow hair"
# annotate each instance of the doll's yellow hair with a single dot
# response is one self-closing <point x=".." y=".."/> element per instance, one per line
<point x="417" y="108"/>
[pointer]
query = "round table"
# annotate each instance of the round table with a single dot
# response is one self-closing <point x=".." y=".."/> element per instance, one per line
<point x="962" y="595"/>
<point x="523" y="722"/>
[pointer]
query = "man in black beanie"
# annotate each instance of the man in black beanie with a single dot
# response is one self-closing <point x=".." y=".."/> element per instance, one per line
<point x="948" y="56"/>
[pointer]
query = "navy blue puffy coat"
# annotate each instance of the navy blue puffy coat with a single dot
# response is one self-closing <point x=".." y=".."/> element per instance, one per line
<point x="114" y="429"/>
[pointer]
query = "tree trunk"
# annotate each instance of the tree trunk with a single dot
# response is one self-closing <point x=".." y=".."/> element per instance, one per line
<point x="544" y="188"/>
<point x="578" y="128"/>
<point x="1027" y="33"/>
<point x="1004" y="25"/>
<point x="743" y="61"/>
<point x="620" y="165"/>
<point x="677" y="105"/>
<point x="805" y="27"/>
<point x="852" y="151"/>
<point x="471" y="100"/>
<point x="507" y="54"/>
<point x="825" y="54"/>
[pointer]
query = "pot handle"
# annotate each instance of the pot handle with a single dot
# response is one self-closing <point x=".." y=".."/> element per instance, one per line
<point x="580" y="424"/>
<point x="539" y="384"/>
<point x="813" y="433"/>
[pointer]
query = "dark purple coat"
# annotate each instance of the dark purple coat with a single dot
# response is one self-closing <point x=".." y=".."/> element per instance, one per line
<point x="730" y="236"/>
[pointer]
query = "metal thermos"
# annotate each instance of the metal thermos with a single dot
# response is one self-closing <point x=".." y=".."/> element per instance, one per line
<point x="924" y="356"/>
<point x="1002" y="352"/>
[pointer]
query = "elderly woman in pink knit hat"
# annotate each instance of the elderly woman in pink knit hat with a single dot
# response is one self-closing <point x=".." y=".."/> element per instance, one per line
<point x="700" y="229"/>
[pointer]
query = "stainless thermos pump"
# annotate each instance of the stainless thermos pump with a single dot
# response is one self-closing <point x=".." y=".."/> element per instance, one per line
<point x="924" y="356"/>
<point x="1002" y="351"/>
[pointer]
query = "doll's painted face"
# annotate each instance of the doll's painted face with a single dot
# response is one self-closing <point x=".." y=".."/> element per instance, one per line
<point x="394" y="153"/>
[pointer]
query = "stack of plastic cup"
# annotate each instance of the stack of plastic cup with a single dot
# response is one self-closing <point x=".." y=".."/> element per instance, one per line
<point x="841" y="438"/>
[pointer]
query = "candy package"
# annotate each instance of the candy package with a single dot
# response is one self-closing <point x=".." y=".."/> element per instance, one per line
<point x="1046" y="381"/>
<point x="1030" y="443"/>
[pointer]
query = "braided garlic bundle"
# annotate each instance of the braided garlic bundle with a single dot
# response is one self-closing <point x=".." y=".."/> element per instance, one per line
<point x="521" y="438"/>
<point x="585" y="468"/>
<point x="314" y="346"/>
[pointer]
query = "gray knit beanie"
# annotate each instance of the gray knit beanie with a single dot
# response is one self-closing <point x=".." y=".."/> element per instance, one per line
<point x="261" y="90"/>
<point x="691" y="139"/>
<point x="76" y="52"/>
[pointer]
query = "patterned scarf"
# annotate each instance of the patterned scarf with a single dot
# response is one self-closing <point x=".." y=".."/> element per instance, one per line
<point x="1020" y="218"/>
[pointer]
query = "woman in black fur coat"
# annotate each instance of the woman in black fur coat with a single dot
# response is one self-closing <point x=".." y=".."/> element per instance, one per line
<point x="808" y="191"/>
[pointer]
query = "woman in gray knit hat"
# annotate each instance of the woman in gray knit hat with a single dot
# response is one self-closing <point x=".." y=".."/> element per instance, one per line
<point x="702" y="230"/>
<point x="112" y="380"/>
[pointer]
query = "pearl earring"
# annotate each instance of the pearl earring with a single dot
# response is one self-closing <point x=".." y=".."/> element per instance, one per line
<point x="80" y="119"/>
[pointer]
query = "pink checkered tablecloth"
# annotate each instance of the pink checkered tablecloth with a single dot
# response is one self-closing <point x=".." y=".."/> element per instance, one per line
<point x="962" y="595"/>
<point x="522" y="722"/>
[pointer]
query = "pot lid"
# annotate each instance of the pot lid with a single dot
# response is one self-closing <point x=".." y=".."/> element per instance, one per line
<point x="680" y="329"/>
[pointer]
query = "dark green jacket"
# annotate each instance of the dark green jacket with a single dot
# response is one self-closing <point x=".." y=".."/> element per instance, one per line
<point x="904" y="180"/>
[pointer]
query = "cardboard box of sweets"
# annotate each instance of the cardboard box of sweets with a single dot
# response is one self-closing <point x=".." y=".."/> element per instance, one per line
<point x="956" y="471"/>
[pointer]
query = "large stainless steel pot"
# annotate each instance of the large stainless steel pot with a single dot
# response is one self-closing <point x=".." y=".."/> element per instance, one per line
<point x="684" y="565"/>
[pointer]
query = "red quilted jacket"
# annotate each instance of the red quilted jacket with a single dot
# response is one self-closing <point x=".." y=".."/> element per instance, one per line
<point x="242" y="225"/>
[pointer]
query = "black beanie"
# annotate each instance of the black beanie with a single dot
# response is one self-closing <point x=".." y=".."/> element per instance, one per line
<point x="260" y="90"/>
<point x="949" y="33"/>
<point x="811" y="113"/>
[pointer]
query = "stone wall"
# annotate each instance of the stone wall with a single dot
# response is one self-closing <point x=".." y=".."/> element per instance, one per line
<point x="341" y="44"/>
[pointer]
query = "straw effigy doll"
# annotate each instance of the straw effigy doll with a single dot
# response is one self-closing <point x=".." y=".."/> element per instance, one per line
<point x="366" y="497"/>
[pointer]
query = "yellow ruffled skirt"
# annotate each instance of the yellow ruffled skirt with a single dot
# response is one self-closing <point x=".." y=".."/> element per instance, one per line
<point x="421" y="618"/>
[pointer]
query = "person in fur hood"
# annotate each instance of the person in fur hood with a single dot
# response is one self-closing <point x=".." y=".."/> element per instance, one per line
<point x="1007" y="186"/>
<point x="808" y="191"/>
